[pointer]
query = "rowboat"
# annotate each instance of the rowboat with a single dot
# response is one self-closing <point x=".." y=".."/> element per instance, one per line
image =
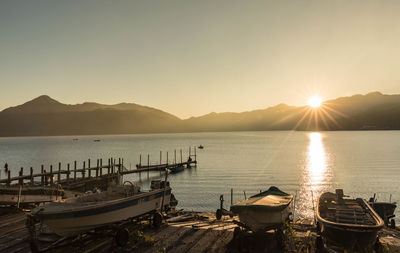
<point x="76" y="215"/>
<point x="26" y="195"/>
<point x="347" y="224"/>
<point x="267" y="209"/>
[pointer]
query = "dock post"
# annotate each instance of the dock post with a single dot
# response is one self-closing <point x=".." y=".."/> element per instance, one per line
<point x="42" y="177"/>
<point x="231" y="196"/>
<point x="108" y="166"/>
<point x="8" y="178"/>
<point x="89" y="170"/>
<point x="101" y="166"/>
<point x="59" y="173"/>
<point x="74" y="170"/>
<point x="140" y="160"/>
<point x="68" y="173"/>
<point x="97" y="168"/>
<point x="195" y="155"/>
<point x="119" y="165"/>
<point x="160" y="157"/>
<point x="51" y="175"/>
<point x="175" y="156"/>
<point x="83" y="170"/>
<point x="167" y="165"/>
<point x="148" y="160"/>
<point x="190" y="151"/>
<point x="21" y="173"/>
<point x="31" y="176"/>
<point x="181" y="155"/>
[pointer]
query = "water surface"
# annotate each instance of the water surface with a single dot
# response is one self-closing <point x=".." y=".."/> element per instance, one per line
<point x="302" y="163"/>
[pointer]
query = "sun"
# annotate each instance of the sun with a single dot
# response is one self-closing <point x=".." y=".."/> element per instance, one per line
<point x="315" y="101"/>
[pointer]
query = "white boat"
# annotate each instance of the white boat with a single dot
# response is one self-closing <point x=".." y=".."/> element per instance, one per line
<point x="81" y="214"/>
<point x="25" y="195"/>
<point x="268" y="209"/>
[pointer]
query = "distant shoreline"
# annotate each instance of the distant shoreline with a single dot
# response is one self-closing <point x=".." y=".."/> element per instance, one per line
<point x="198" y="132"/>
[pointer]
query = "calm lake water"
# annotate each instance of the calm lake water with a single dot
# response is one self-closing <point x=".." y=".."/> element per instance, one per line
<point x="302" y="163"/>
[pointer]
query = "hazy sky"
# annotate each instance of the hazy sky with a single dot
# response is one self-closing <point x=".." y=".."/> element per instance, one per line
<point x="194" y="57"/>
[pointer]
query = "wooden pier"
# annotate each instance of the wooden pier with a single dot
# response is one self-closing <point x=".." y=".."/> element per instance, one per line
<point x="88" y="176"/>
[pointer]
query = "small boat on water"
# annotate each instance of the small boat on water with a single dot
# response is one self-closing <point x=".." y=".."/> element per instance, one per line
<point x="176" y="169"/>
<point x="384" y="209"/>
<point x="347" y="224"/>
<point x="76" y="215"/>
<point x="28" y="195"/>
<point x="200" y="147"/>
<point x="268" y="209"/>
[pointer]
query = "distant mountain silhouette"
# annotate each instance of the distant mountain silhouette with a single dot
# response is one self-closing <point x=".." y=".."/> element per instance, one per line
<point x="46" y="116"/>
<point x="359" y="112"/>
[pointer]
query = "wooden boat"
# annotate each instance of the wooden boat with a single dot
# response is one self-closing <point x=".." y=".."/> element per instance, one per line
<point x="347" y="224"/>
<point x="176" y="169"/>
<point x="200" y="147"/>
<point x="76" y="215"/>
<point x="267" y="209"/>
<point x="25" y="195"/>
<point x="384" y="209"/>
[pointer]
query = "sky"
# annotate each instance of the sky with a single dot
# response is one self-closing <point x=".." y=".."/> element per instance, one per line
<point x="191" y="58"/>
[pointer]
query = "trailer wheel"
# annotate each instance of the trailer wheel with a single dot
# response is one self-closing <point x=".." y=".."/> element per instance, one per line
<point x="157" y="220"/>
<point x="218" y="214"/>
<point x="122" y="237"/>
<point x="392" y="223"/>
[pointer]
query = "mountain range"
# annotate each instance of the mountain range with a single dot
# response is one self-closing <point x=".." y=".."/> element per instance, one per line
<point x="46" y="116"/>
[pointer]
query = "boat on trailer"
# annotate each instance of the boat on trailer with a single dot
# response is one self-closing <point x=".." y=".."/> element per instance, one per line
<point x="77" y="215"/>
<point x="347" y="224"/>
<point x="263" y="211"/>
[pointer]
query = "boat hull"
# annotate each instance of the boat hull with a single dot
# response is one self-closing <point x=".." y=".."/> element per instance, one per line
<point x="177" y="169"/>
<point x="342" y="238"/>
<point x="384" y="209"/>
<point x="259" y="220"/>
<point x="268" y="209"/>
<point x="78" y="221"/>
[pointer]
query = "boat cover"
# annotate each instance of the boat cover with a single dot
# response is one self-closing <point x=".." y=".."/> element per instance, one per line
<point x="271" y="200"/>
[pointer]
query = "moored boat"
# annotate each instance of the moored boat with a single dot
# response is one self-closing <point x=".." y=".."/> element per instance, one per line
<point x="84" y="213"/>
<point x="347" y="224"/>
<point x="267" y="209"/>
<point x="176" y="169"/>
<point x="384" y="209"/>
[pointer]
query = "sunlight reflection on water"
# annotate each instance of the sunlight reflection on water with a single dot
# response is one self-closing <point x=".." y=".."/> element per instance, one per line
<point x="316" y="176"/>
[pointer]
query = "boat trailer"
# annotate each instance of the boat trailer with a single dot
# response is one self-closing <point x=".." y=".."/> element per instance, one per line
<point x="119" y="231"/>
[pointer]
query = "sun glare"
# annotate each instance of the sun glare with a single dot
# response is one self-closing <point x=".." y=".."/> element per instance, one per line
<point x="314" y="101"/>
